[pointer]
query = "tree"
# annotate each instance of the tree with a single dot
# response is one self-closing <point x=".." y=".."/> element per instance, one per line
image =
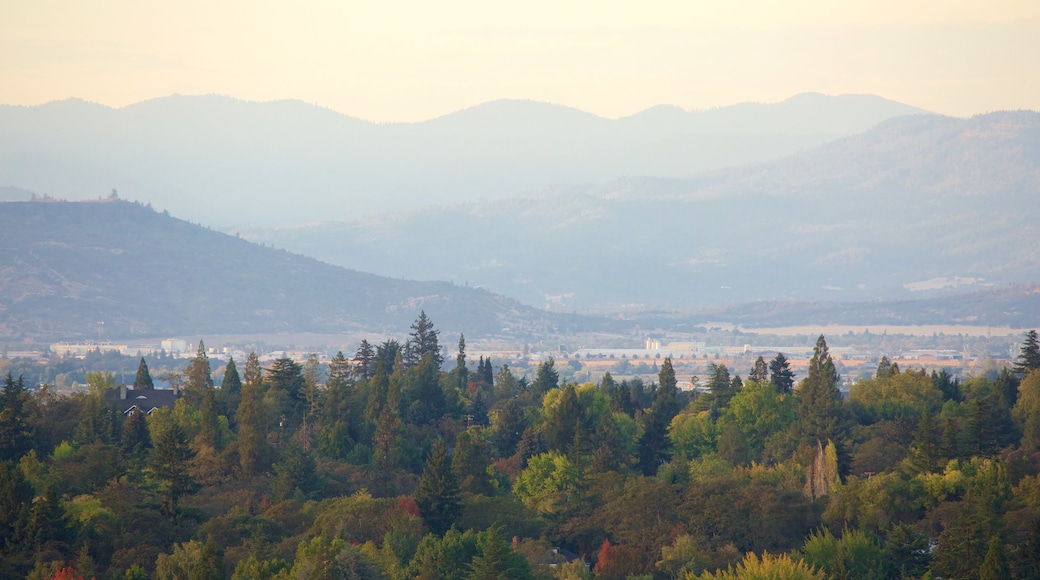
<point x="198" y="377"/>
<point x="286" y="385"/>
<point x="884" y="368"/>
<point x="253" y="373"/>
<point x="340" y="372"/>
<point x="760" y="372"/>
<point x="1029" y="355"/>
<point x="780" y="374"/>
<point x="170" y="464"/>
<point x="546" y="378"/>
<point x="143" y="380"/>
<point x="495" y="560"/>
<point x="438" y="495"/>
<point x="819" y="400"/>
<point x="461" y="372"/>
<point x="252" y="434"/>
<point x="14" y="431"/>
<point x="470" y="462"/>
<point x="364" y="360"/>
<point x="423" y="342"/>
<point x="230" y="389"/>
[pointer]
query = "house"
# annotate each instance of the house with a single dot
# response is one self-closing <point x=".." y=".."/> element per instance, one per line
<point x="147" y="400"/>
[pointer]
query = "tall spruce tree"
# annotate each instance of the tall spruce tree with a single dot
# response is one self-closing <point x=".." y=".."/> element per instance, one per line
<point x="170" y="465"/>
<point x="143" y="379"/>
<point x="364" y="361"/>
<point x="438" y="495"/>
<point x="780" y="374"/>
<point x="461" y="372"/>
<point x="14" y="430"/>
<point x="198" y="377"/>
<point x="1029" y="355"/>
<point x="423" y="342"/>
<point x="819" y="399"/>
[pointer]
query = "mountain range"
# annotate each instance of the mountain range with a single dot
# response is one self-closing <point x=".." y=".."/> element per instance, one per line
<point x="919" y="206"/>
<point x="66" y="266"/>
<point x="223" y="162"/>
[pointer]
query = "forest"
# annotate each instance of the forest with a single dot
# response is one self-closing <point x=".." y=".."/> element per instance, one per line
<point x="392" y="462"/>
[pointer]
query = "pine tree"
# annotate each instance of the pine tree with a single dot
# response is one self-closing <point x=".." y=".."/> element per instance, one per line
<point x="230" y="390"/>
<point x="198" y="377"/>
<point x="760" y="372"/>
<point x="14" y="431"/>
<point x="143" y="380"/>
<point x="210" y="431"/>
<point x="495" y="560"/>
<point x="470" y="462"/>
<point x="170" y="463"/>
<point x="780" y="374"/>
<point x="461" y="372"/>
<point x="438" y="495"/>
<point x="423" y="342"/>
<point x="136" y="439"/>
<point x="231" y="384"/>
<point x="1029" y="355"/>
<point x="995" y="566"/>
<point x="340" y="373"/>
<point x="819" y="400"/>
<point x="252" y="435"/>
<point x="364" y="361"/>
<point x="253" y="372"/>
<point x="884" y="368"/>
<point x="545" y="379"/>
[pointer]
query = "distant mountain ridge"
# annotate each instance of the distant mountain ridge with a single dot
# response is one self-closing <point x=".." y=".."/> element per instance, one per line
<point x="223" y="162"/>
<point x="868" y="217"/>
<point x="67" y="265"/>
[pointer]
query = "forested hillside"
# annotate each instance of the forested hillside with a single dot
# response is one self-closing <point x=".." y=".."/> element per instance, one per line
<point x="66" y="266"/>
<point x="391" y="463"/>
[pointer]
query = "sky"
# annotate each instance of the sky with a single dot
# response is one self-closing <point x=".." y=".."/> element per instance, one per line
<point x="392" y="61"/>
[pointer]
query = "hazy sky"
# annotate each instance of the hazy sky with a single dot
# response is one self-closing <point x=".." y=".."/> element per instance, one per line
<point x="406" y="61"/>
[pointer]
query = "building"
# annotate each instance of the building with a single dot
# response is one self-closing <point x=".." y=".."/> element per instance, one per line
<point x="147" y="400"/>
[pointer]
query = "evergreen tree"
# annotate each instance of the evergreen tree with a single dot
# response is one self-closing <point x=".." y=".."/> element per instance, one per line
<point x="563" y="421"/>
<point x="489" y="373"/>
<point x="760" y="372"/>
<point x="230" y="390"/>
<point x="143" y="380"/>
<point x="252" y="434"/>
<point x="169" y="464"/>
<point x="198" y="377"/>
<point x="423" y="342"/>
<point x="949" y="386"/>
<point x="364" y="359"/>
<point x="995" y="566"/>
<point x="253" y="373"/>
<point x="496" y="561"/>
<point x="819" y="400"/>
<point x="780" y="374"/>
<point x="286" y="383"/>
<point x="16" y="498"/>
<point x="136" y="439"/>
<point x="545" y="379"/>
<point x="1029" y="355"/>
<point x="14" y="431"/>
<point x="884" y="368"/>
<point x="470" y="462"/>
<point x="510" y="423"/>
<point x="210" y="431"/>
<point x="385" y="447"/>
<point x="231" y="384"/>
<point x="438" y="495"/>
<point x="340" y="373"/>
<point x="461" y="372"/>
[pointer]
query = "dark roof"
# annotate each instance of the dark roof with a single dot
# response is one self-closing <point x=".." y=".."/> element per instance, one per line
<point x="145" y="399"/>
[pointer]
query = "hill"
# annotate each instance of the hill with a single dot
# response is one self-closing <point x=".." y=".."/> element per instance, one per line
<point x="66" y="266"/>
<point x="920" y="206"/>
<point x="223" y="162"/>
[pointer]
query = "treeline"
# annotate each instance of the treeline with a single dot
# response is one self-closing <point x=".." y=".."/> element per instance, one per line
<point x="394" y="463"/>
